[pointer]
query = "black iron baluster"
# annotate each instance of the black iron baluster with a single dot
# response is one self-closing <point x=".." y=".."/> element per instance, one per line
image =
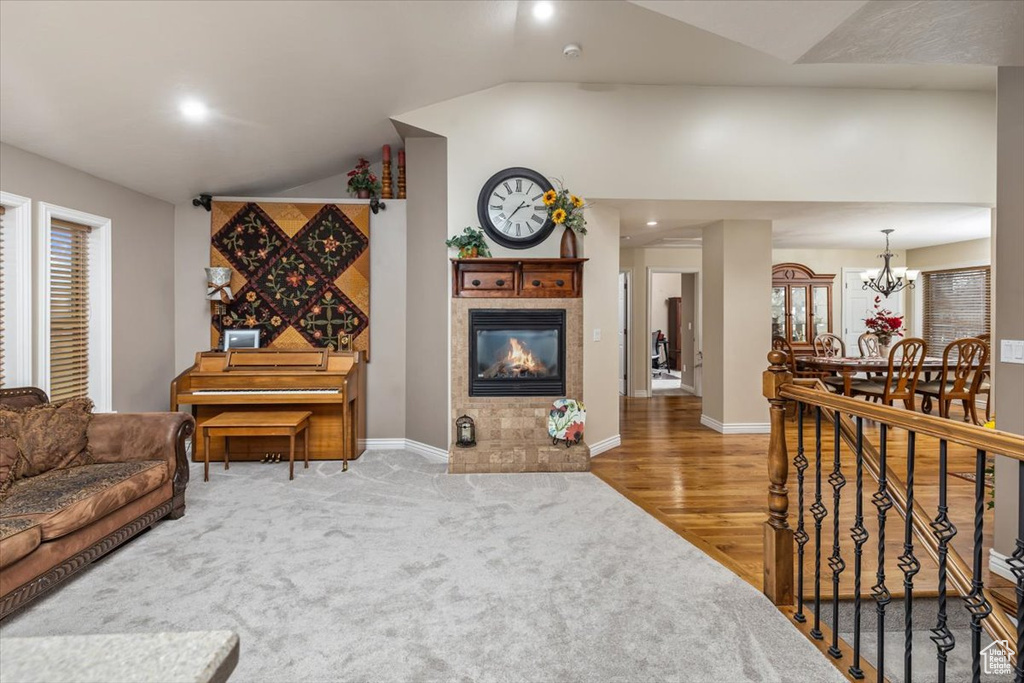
<point x="879" y="592"/>
<point x="860" y="536"/>
<point x="944" y="532"/>
<point x="910" y="566"/>
<point x="800" y="536"/>
<point x="819" y="513"/>
<point x="1016" y="563"/>
<point x="976" y="601"/>
<point x="835" y="561"/>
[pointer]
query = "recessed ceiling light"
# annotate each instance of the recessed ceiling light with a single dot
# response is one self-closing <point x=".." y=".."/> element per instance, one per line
<point x="652" y="223"/>
<point x="543" y="11"/>
<point x="193" y="110"/>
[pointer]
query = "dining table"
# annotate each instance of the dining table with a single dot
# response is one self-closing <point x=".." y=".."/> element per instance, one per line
<point x="848" y="367"/>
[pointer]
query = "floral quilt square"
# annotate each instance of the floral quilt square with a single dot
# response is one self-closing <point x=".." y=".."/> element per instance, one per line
<point x="331" y="314"/>
<point x="252" y="310"/>
<point x="290" y="282"/>
<point x="250" y="239"/>
<point x="332" y="241"/>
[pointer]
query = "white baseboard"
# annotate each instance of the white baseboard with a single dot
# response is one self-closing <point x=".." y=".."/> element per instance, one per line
<point x="687" y="387"/>
<point x="735" y="427"/>
<point x="431" y="452"/>
<point x="605" y="445"/>
<point x="640" y="393"/>
<point x="998" y="564"/>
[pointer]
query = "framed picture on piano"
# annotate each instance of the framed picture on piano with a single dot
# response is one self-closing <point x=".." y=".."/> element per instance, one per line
<point x="241" y="339"/>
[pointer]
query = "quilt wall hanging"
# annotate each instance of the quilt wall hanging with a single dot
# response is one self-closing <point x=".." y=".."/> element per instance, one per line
<point x="300" y="271"/>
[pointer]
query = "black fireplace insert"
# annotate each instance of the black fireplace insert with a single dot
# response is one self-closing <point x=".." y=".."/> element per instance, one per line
<point x="516" y="352"/>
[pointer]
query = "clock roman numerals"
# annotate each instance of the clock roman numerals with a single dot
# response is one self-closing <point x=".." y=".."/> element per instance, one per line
<point x="508" y="188"/>
<point x="500" y="198"/>
<point x="537" y="218"/>
<point x="496" y="207"/>
<point x="533" y="199"/>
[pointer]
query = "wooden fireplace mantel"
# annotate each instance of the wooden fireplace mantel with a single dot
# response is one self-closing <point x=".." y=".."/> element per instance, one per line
<point x="538" y="278"/>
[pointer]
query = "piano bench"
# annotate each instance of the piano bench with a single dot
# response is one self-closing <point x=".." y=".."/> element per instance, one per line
<point x="276" y="423"/>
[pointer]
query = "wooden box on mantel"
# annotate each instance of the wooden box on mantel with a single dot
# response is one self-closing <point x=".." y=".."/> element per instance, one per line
<point x="540" y="278"/>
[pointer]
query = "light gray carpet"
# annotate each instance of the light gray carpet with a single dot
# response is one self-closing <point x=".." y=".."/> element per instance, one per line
<point x="396" y="571"/>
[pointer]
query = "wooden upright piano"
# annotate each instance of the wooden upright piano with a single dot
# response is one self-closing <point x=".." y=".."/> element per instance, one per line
<point x="331" y="385"/>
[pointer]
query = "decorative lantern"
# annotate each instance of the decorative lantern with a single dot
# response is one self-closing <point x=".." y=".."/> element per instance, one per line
<point x="218" y="291"/>
<point x="465" y="432"/>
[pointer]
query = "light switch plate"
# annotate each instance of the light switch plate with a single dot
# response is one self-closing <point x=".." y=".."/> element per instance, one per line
<point x="1011" y="351"/>
<point x="597" y="334"/>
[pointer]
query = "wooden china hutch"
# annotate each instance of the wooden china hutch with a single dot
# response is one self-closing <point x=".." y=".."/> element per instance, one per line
<point x="801" y="304"/>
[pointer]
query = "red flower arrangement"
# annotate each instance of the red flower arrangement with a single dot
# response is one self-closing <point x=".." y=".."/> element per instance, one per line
<point x="884" y="323"/>
<point x="362" y="180"/>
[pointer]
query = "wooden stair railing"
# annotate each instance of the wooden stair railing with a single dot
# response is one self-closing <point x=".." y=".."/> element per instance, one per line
<point x="847" y="416"/>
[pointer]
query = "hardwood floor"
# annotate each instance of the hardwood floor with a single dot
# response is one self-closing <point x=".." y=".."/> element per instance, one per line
<point x="712" y="490"/>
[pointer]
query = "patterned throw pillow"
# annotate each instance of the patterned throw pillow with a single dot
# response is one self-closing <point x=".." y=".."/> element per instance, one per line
<point x="43" y="438"/>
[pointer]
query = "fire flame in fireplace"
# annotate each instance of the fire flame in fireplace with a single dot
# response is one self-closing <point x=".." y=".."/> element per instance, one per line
<point x="520" y="360"/>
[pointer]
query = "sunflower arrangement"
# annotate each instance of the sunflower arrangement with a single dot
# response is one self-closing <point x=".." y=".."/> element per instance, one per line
<point x="565" y="208"/>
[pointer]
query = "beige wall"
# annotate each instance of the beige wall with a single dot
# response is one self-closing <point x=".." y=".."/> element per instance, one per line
<point x="1008" y="379"/>
<point x="895" y="145"/>
<point x="663" y="286"/>
<point x="142" y="242"/>
<point x="427" y="293"/>
<point x="600" y="312"/>
<point x="942" y="256"/>
<point x="737" y="322"/>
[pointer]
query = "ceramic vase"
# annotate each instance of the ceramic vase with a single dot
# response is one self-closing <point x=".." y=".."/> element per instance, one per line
<point x="568" y="248"/>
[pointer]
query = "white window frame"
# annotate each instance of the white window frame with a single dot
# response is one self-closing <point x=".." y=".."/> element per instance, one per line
<point x="18" y="338"/>
<point x="100" y="294"/>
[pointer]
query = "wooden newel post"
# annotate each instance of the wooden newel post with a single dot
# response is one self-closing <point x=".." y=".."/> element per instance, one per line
<point x="778" y="536"/>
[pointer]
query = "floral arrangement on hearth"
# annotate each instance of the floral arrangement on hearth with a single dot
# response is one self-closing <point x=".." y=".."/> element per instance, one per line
<point x="884" y="323"/>
<point x="566" y="209"/>
<point x="362" y="182"/>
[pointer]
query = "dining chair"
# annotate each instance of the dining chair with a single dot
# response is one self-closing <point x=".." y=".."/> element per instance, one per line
<point x="782" y="344"/>
<point x="869" y="345"/>
<point x="985" y="388"/>
<point x="829" y="345"/>
<point x="961" y="380"/>
<point x="905" y="361"/>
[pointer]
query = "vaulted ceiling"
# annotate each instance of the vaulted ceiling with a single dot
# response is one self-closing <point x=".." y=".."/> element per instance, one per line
<point x="298" y="89"/>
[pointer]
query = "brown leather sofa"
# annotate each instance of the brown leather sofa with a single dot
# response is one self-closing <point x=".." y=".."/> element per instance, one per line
<point x="54" y="524"/>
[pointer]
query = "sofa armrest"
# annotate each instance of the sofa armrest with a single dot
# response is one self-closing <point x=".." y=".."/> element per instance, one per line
<point x="127" y="437"/>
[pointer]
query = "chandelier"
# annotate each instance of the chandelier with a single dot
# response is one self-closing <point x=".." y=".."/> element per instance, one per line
<point x="888" y="280"/>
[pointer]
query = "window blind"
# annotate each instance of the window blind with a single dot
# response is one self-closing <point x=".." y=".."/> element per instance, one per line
<point x="957" y="304"/>
<point x="3" y="299"/>
<point x="69" y="310"/>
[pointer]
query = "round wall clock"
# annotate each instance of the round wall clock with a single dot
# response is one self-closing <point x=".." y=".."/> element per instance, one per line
<point x="511" y="209"/>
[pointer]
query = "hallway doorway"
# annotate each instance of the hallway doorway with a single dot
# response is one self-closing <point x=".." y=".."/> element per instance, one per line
<point x="672" y="327"/>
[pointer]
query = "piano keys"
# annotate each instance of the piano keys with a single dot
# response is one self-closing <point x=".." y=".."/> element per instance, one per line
<point x="331" y="385"/>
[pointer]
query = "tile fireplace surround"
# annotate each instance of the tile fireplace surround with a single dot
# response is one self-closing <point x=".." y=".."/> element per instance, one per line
<point x="512" y="431"/>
